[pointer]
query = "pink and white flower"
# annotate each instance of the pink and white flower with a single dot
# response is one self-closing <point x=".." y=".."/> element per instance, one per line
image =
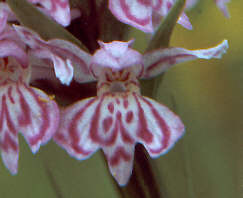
<point x="23" y="109"/>
<point x="67" y="58"/>
<point x="119" y="117"/>
<point x="57" y="9"/>
<point x="144" y="14"/>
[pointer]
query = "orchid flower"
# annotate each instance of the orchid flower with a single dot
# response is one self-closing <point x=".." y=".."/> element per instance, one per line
<point x="65" y="56"/>
<point x="119" y="116"/>
<point x="220" y="3"/>
<point x="24" y="109"/>
<point x="144" y="14"/>
<point x="59" y="10"/>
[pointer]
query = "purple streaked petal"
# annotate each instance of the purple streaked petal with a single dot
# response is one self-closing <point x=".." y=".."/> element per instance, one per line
<point x="136" y="13"/>
<point x="160" y="128"/>
<point x="43" y="115"/>
<point x="73" y="134"/>
<point x="29" y="111"/>
<point x="160" y="60"/>
<point x="9" y="142"/>
<point x="58" y="9"/>
<point x="63" y="54"/>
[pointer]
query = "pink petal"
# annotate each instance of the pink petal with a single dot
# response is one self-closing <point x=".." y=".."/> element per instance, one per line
<point x="63" y="68"/>
<point x="120" y="161"/>
<point x="136" y="13"/>
<point x="221" y="5"/>
<point x="67" y="58"/>
<point x="9" y="137"/>
<point x="29" y="111"/>
<point x="11" y="48"/>
<point x="74" y="131"/>
<point x="160" y="60"/>
<point x="159" y="128"/>
<point x="116" y="55"/>
<point x="58" y="9"/>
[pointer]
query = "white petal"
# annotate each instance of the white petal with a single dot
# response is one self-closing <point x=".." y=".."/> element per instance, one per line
<point x="160" y="60"/>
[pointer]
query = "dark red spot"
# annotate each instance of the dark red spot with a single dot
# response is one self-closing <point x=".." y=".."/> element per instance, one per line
<point x="125" y="103"/>
<point x="117" y="101"/>
<point x="145" y="2"/>
<point x="107" y="123"/>
<point x="94" y="129"/>
<point x="120" y="154"/>
<point x="110" y="107"/>
<point x="129" y="117"/>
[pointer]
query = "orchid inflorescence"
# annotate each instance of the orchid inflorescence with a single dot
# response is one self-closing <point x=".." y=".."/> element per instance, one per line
<point x="114" y="120"/>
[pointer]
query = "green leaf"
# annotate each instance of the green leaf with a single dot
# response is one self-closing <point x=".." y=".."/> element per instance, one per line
<point x="32" y="18"/>
<point x="161" y="39"/>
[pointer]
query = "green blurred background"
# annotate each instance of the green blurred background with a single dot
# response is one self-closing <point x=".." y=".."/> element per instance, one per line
<point x="208" y="95"/>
